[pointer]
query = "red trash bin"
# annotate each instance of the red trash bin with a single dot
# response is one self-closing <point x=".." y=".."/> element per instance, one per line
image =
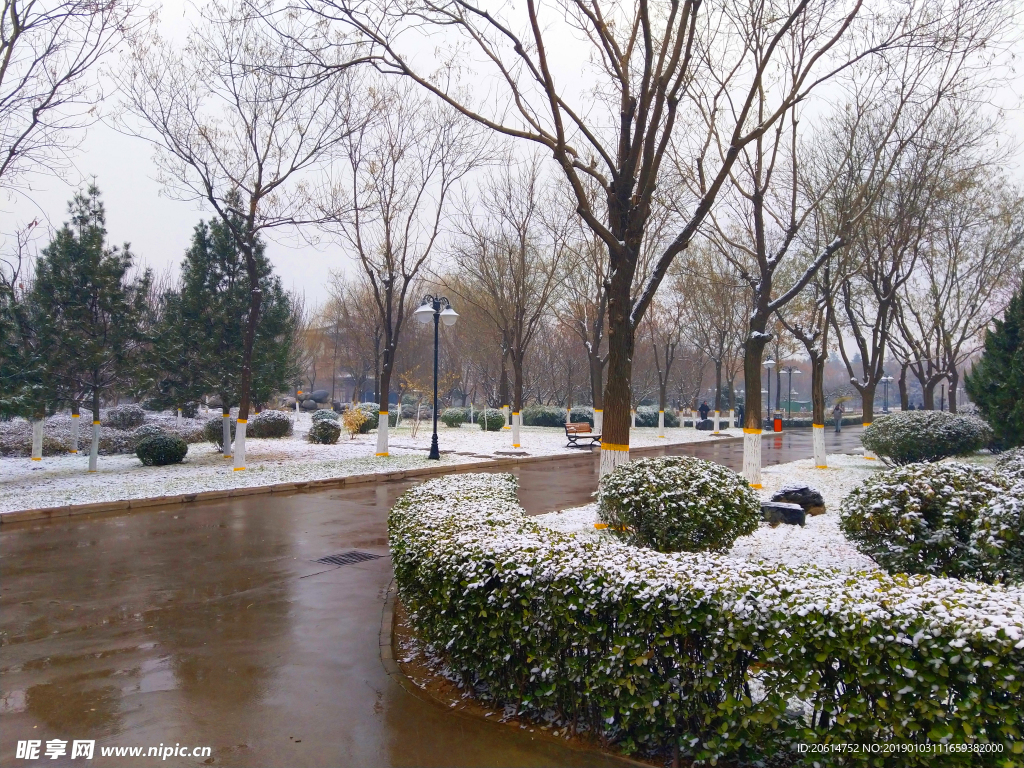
<point x="777" y="424"/>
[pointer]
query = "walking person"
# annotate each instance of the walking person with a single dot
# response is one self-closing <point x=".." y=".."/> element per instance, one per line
<point x="837" y="414"/>
<point x="704" y="409"/>
<point x="739" y="415"/>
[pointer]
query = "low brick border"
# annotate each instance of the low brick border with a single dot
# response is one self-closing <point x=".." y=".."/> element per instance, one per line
<point x="100" y="507"/>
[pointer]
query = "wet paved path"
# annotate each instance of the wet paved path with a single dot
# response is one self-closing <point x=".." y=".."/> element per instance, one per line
<point x="210" y="625"/>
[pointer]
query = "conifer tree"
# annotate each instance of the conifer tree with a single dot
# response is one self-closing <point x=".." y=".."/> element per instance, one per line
<point x="996" y="383"/>
<point x="92" y="311"/>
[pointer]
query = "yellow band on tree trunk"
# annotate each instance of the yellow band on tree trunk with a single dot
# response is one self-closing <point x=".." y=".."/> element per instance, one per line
<point x="748" y="431"/>
<point x="819" y="426"/>
<point x="866" y="424"/>
<point x="96" y="422"/>
<point x="242" y="421"/>
<point x="614" y="447"/>
<point x="75" y="416"/>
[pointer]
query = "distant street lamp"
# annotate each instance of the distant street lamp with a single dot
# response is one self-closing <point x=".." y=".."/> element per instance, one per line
<point x="439" y="308"/>
<point x="885" y="402"/>
<point x="791" y="370"/>
<point x="769" y="364"/>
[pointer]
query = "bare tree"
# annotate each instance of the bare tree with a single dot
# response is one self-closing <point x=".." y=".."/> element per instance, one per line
<point x="658" y="71"/>
<point x="665" y="324"/>
<point x="403" y="170"/>
<point x="241" y="122"/>
<point x="49" y="53"/>
<point x="509" y="260"/>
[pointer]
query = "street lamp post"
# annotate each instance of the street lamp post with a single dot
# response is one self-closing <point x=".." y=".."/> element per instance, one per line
<point x="885" y="388"/>
<point x="769" y="364"/>
<point x="791" y="370"/>
<point x="440" y="309"/>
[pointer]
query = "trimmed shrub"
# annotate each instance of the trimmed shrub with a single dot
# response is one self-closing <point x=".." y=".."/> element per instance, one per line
<point x="702" y="652"/>
<point x="678" y="504"/>
<point x="353" y="419"/>
<point x="213" y="432"/>
<point x="647" y="416"/>
<point x="126" y="416"/>
<point x="327" y="414"/>
<point x="582" y="414"/>
<point x="491" y="419"/>
<point x="190" y="410"/>
<point x="269" y="424"/>
<point x="372" y="416"/>
<point x="1011" y="463"/>
<point x="543" y="416"/>
<point x="325" y="432"/>
<point x="908" y="437"/>
<point x="921" y="518"/>
<point x="998" y="536"/>
<point x="146" y="430"/>
<point x="454" y="417"/>
<point x="159" y="450"/>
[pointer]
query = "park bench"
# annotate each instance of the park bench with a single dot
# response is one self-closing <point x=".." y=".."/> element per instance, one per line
<point x="580" y="431"/>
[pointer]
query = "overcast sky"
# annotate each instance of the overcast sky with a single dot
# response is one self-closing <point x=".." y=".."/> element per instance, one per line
<point x="159" y="228"/>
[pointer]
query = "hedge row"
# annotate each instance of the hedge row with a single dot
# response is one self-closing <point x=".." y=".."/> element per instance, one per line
<point x="701" y="651"/>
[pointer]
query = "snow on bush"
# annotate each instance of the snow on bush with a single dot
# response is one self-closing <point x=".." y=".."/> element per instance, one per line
<point x="325" y="432"/>
<point x="126" y="417"/>
<point x="1011" y="463"/>
<point x="582" y="414"/>
<point x="160" y="450"/>
<point x="999" y="536"/>
<point x="647" y="416"/>
<point x="325" y="413"/>
<point x="454" y="417"/>
<point x="491" y="419"/>
<point x="908" y="437"/>
<point x="271" y="424"/>
<point x="146" y="430"/>
<point x="213" y="432"/>
<point x="678" y="504"/>
<point x="698" y="651"/>
<point x="921" y="518"/>
<point x="543" y="416"/>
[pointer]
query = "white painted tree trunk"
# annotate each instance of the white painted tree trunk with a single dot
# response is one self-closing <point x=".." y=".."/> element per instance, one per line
<point x="37" y="439"/>
<point x="508" y="420"/>
<point x="752" y="457"/>
<point x="818" y="441"/>
<point x="612" y="457"/>
<point x="598" y="420"/>
<point x="239" y="451"/>
<point x="94" y="449"/>
<point x="76" y="419"/>
<point x="470" y="413"/>
<point x="177" y="420"/>
<point x="869" y="454"/>
<point x="661" y="423"/>
<point x="296" y="407"/>
<point x="515" y="428"/>
<point x="717" y="418"/>
<point x="382" y="433"/>
<point x="226" y="434"/>
<point x="732" y="419"/>
<point x="633" y="416"/>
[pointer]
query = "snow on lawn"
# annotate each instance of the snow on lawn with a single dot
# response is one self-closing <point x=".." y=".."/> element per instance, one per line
<point x="60" y="480"/>
<point x="819" y="542"/>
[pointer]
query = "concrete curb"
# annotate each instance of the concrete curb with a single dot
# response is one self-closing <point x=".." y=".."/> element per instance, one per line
<point x="102" y="507"/>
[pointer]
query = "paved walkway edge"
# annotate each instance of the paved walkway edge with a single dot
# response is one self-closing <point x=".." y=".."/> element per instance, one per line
<point x="101" y="507"/>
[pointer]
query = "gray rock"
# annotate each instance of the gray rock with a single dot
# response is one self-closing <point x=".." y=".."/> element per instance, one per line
<point x="706" y="425"/>
<point x="214" y="401"/>
<point x="309" y="405"/>
<point x="319" y="396"/>
<point x="776" y="512"/>
<point x="809" y="499"/>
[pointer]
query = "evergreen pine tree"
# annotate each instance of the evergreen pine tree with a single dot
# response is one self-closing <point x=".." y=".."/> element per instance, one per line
<point x="996" y="383"/>
<point x="92" y="312"/>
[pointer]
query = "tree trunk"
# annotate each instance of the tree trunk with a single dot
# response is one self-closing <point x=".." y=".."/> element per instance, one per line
<point x="662" y="402"/>
<point x="904" y="395"/>
<point x="383" y="404"/>
<point x="596" y="388"/>
<point x="818" y="409"/>
<point x="517" y="397"/>
<point x="928" y="395"/>
<point x="76" y="419"/>
<point x="718" y="394"/>
<point x="617" y="393"/>
<point x="753" y="349"/>
<point x="94" y="449"/>
<point x="503" y="393"/>
<point x="245" y="385"/>
<point x="953" y="376"/>
<point x="225" y="423"/>
<point x="38" y="421"/>
<point x="867" y="399"/>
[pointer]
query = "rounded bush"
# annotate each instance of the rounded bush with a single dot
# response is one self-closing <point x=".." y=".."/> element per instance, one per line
<point x="146" y="430"/>
<point x="454" y="417"/>
<point x="1011" y="464"/>
<point x="159" y="450"/>
<point x="325" y="414"/>
<point x="678" y="504"/>
<point x="648" y="417"/>
<point x="920" y="518"/>
<point x="126" y="416"/>
<point x="372" y="416"/>
<point x="998" y="536"/>
<point x="582" y="414"/>
<point x="213" y="432"/>
<point x="543" y="416"/>
<point x="908" y="437"/>
<point x="325" y="432"/>
<point x="269" y="424"/>
<point x="491" y="419"/>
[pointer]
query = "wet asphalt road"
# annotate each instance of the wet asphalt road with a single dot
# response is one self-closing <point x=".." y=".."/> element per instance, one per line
<point x="210" y="625"/>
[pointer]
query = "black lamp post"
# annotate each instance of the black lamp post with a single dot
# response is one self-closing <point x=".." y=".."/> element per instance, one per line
<point x="885" y="381"/>
<point x="790" y="369"/>
<point x="769" y="364"/>
<point x="440" y="309"/>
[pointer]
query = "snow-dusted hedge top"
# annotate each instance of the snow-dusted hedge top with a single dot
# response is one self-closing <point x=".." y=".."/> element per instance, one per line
<point x="1011" y="464"/>
<point x="912" y="436"/>
<point x="678" y="504"/>
<point x="700" y="650"/>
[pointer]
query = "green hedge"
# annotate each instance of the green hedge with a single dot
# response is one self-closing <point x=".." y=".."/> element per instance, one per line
<point x="454" y="417"/>
<point x="647" y="416"/>
<point x="491" y="419"/>
<point x="652" y="650"/>
<point x="543" y="416"/>
<point x="324" y="432"/>
<point x="160" y="450"/>
<point x="909" y="437"/>
<point x="270" y="424"/>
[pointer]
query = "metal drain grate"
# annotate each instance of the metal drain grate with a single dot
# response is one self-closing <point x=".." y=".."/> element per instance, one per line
<point x="347" y="558"/>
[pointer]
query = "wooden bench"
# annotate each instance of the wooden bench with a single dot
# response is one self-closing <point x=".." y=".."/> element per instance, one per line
<point x="580" y="431"/>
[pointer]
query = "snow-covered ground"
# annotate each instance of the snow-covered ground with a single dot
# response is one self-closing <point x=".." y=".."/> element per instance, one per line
<point x="60" y="480"/>
<point x="819" y="542"/>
